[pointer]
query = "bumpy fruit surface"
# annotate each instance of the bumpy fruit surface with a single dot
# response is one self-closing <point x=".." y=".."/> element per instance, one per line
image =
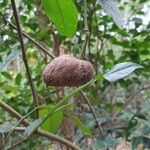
<point x="66" y="70"/>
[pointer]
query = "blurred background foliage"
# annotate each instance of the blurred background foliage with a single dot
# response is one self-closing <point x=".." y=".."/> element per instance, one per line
<point x="104" y="46"/>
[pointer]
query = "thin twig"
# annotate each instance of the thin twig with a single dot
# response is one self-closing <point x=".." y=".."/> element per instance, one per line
<point x="85" y="16"/>
<point x="87" y="27"/>
<point x="84" y="47"/>
<point x="86" y="30"/>
<point x="16" y="144"/>
<point x="24" y="57"/>
<point x="45" y="50"/>
<point x="47" y="135"/>
<point x="39" y="132"/>
<point x="13" y="128"/>
<point x="14" y="113"/>
<point x="56" y="44"/>
<point x="93" y="112"/>
<point x="92" y="10"/>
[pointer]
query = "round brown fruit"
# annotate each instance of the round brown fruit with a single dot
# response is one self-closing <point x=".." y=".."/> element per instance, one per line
<point x="66" y="70"/>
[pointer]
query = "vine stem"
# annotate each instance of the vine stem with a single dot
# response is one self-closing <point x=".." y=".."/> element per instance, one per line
<point x="65" y="99"/>
<point x="15" y="114"/>
<point x="39" y="132"/>
<point x="54" y="109"/>
<point x="13" y="128"/>
<point x="24" y="56"/>
<point x="93" y="112"/>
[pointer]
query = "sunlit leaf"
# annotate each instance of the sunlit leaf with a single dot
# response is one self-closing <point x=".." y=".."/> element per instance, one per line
<point x="10" y="88"/>
<point x="63" y="14"/>
<point x="120" y="71"/>
<point x="111" y="8"/>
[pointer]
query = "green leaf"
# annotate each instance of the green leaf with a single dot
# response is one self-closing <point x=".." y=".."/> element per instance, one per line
<point x="6" y="75"/>
<point x="121" y="70"/>
<point x="18" y="79"/>
<point x="10" y="88"/>
<point x="82" y="127"/>
<point x="117" y="106"/>
<point x="141" y="116"/>
<point x="63" y="14"/>
<point x="32" y="127"/>
<point x="53" y="123"/>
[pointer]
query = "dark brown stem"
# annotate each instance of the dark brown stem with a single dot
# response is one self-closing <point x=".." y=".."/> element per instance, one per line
<point x="49" y="136"/>
<point x="56" y="44"/>
<point x="45" y="50"/>
<point x="14" y="113"/>
<point x="93" y="112"/>
<point x="84" y="47"/>
<point x="88" y="28"/>
<point x="91" y="15"/>
<point x="39" y="132"/>
<point x="24" y="57"/>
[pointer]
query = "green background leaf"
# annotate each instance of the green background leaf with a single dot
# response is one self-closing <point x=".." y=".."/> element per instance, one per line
<point x="85" y="130"/>
<point x="63" y="14"/>
<point x="53" y="123"/>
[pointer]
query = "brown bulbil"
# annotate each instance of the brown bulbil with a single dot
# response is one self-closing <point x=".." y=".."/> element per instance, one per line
<point x="66" y="70"/>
